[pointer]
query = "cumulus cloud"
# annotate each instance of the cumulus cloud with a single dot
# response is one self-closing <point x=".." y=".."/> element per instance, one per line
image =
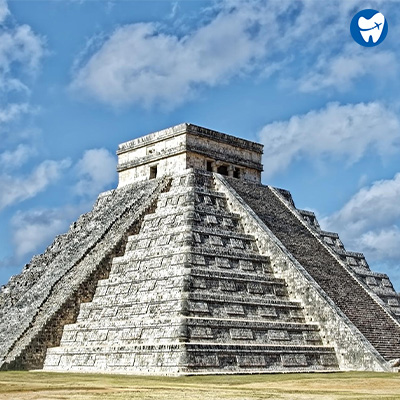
<point x="148" y="63"/>
<point x="19" y="45"/>
<point x="21" y="51"/>
<point x="341" y="71"/>
<point x="17" y="189"/>
<point x="33" y="228"/>
<point x="370" y="220"/>
<point x="377" y="205"/>
<point x="381" y="244"/>
<point x="140" y="64"/>
<point x="15" y="158"/>
<point x="341" y="132"/>
<point x="14" y="111"/>
<point x="95" y="170"/>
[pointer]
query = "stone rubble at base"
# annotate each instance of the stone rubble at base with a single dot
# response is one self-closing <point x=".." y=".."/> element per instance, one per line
<point x="191" y="266"/>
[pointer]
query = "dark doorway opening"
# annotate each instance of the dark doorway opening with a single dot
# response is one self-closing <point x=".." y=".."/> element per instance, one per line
<point x="209" y="166"/>
<point x="223" y="170"/>
<point x="236" y="173"/>
<point x="153" y="172"/>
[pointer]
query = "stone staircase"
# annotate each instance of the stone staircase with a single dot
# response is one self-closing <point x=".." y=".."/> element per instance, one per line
<point x="36" y="304"/>
<point x="378" y="283"/>
<point x="191" y="295"/>
<point x="344" y="282"/>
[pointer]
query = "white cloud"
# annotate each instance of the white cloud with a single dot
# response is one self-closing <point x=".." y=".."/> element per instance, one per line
<point x="21" y="51"/>
<point x="341" y="132"/>
<point x="340" y="71"/>
<point x="374" y="206"/>
<point x="4" y="11"/>
<point x="381" y="244"/>
<point x="96" y="170"/>
<point x="16" y="158"/>
<point x="370" y="220"/>
<point x="17" y="189"/>
<point x="22" y="46"/>
<point x="174" y="10"/>
<point x="139" y="63"/>
<point x="146" y="64"/>
<point x="32" y="229"/>
<point x="14" y="111"/>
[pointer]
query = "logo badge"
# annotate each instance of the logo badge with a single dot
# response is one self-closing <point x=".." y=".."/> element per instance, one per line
<point x="369" y="28"/>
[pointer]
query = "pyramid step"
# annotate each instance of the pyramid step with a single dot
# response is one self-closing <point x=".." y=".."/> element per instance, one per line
<point x="210" y="258"/>
<point x="197" y="255"/>
<point x="163" y="283"/>
<point x="164" y="235"/>
<point x="152" y="291"/>
<point x="179" y="230"/>
<point x="217" y="212"/>
<point x="198" y="215"/>
<point x="251" y="256"/>
<point x="224" y="233"/>
<point x="201" y="191"/>
<point x="251" y="331"/>
<point x="233" y="263"/>
<point x="192" y="358"/>
<point x="163" y="329"/>
<point x="232" y="280"/>
<point x="211" y="358"/>
<point x="229" y="306"/>
<point x="165" y="289"/>
<point x="101" y="310"/>
<point x="243" y="299"/>
<point x="184" y="196"/>
<point x="199" y="303"/>
<point x="193" y="191"/>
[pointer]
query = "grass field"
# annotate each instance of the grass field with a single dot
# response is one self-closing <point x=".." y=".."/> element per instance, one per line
<point x="335" y="386"/>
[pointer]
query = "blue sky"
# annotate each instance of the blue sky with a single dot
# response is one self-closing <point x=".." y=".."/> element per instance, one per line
<point x="79" y="77"/>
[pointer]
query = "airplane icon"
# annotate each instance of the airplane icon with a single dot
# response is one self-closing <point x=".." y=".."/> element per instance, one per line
<point x="376" y="26"/>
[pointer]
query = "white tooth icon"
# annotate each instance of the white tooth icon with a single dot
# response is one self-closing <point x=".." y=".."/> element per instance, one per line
<point x="372" y="27"/>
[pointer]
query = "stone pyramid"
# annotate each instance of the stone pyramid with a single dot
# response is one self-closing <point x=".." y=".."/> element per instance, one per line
<point x="191" y="266"/>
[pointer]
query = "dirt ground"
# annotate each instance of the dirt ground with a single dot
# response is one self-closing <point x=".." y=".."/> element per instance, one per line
<point x="335" y="386"/>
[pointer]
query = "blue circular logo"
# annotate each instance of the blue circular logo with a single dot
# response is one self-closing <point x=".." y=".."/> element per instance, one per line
<point x="369" y="28"/>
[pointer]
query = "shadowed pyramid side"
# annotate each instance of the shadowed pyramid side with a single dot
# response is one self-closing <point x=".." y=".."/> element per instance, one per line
<point x="378" y="283"/>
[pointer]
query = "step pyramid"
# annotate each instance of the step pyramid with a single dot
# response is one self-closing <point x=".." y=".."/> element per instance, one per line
<point x="191" y="266"/>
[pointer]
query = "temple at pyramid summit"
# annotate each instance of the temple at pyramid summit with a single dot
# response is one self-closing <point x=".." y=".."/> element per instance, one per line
<point x="192" y="266"/>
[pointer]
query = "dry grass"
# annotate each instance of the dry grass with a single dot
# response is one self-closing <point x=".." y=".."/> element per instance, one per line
<point x="335" y="386"/>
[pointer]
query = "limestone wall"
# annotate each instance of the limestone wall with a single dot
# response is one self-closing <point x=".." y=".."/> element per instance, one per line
<point x="165" y="166"/>
<point x="186" y="146"/>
